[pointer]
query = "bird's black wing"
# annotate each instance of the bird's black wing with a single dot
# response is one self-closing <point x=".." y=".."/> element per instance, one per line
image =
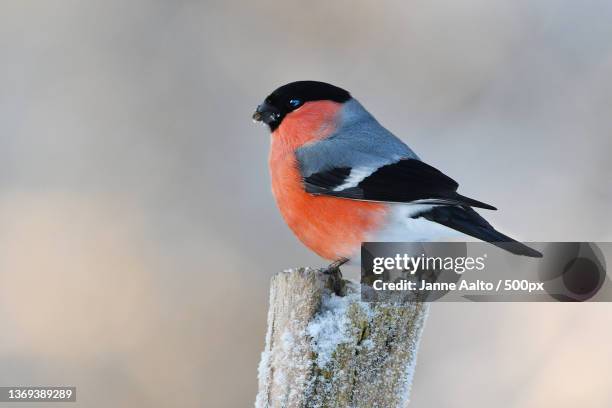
<point x="405" y="181"/>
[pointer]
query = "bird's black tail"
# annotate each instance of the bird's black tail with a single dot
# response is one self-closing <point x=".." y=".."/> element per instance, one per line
<point x="468" y="221"/>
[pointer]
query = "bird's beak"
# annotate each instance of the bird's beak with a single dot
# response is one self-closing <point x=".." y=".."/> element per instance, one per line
<point x="257" y="116"/>
<point x="261" y="112"/>
<point x="267" y="114"/>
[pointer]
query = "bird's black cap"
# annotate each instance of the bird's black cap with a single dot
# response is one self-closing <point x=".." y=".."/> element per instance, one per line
<point x="291" y="96"/>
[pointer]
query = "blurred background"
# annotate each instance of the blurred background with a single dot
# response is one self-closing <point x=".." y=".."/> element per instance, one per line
<point x="138" y="233"/>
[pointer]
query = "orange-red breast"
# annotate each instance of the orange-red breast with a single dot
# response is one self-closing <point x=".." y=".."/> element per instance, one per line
<point x="341" y="178"/>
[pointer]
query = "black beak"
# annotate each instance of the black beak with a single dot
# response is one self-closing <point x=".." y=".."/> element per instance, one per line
<point x="267" y="114"/>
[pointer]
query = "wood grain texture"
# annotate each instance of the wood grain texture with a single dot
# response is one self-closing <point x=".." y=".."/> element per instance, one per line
<point x="327" y="348"/>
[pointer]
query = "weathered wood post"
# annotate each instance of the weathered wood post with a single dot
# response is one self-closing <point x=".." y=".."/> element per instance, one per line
<point x="327" y="348"/>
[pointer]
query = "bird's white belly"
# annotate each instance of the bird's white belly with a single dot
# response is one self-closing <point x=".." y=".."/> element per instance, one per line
<point x="401" y="227"/>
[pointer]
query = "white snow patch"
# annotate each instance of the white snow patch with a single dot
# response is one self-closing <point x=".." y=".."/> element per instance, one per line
<point x="263" y="369"/>
<point x="331" y="327"/>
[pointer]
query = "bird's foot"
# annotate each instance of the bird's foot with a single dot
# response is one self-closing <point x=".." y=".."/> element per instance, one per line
<point x="334" y="267"/>
<point x="333" y="271"/>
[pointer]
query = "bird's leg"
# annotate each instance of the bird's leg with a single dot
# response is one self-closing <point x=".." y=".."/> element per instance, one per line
<point x="333" y="270"/>
<point x="334" y="267"/>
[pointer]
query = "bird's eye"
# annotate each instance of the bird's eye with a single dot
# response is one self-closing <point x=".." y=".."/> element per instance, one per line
<point x="294" y="103"/>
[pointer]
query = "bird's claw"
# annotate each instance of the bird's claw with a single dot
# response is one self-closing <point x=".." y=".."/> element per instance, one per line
<point x="334" y="267"/>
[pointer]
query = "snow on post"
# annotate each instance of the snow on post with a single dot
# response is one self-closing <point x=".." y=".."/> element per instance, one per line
<point x="327" y="348"/>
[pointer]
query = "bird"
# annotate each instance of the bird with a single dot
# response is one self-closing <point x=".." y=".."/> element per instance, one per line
<point x="340" y="178"/>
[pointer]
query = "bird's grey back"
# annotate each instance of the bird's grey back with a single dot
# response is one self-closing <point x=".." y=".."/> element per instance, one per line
<point x="358" y="141"/>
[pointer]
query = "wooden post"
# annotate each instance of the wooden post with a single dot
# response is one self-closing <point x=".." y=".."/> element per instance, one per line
<point x="327" y="348"/>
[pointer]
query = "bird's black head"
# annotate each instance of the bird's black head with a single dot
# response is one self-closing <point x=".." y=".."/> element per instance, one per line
<point x="292" y="96"/>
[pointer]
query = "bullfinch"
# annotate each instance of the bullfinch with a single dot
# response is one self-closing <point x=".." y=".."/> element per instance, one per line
<point x="340" y="178"/>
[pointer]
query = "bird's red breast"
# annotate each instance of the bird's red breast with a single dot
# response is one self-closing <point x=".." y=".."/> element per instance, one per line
<point x="331" y="227"/>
